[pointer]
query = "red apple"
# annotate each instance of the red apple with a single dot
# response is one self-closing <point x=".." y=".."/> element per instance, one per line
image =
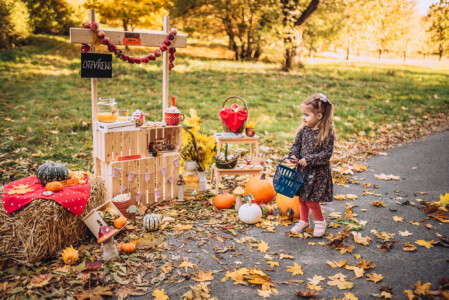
<point x="86" y="25"/>
<point x="85" y="48"/>
<point x="234" y="105"/>
<point x="172" y="50"/>
<point x="138" y="60"/>
<point x="94" y="26"/>
<point x="111" y="48"/>
<point x="101" y="34"/>
<point x="171" y="37"/>
<point x="151" y="56"/>
<point x="157" y="52"/>
<point x="145" y="59"/>
<point x="241" y="108"/>
<point x="171" y="65"/>
<point x="106" y="41"/>
<point x="228" y="109"/>
<point x="174" y="31"/>
<point x="125" y="57"/>
<point x="163" y="47"/>
<point x="131" y="60"/>
<point x="167" y="42"/>
<point x="171" y="57"/>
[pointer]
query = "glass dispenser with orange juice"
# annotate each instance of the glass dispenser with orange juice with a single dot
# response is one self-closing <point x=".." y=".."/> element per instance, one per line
<point x="107" y="110"/>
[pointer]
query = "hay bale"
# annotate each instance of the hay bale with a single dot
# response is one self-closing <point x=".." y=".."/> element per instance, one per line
<point x="43" y="227"/>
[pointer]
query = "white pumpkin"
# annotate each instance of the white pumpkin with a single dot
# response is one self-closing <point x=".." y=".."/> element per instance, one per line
<point x="250" y="213"/>
<point x="151" y="222"/>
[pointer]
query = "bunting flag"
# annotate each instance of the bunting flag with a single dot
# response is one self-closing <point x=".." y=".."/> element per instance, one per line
<point x="115" y="172"/>
<point x="138" y="197"/>
<point x="131" y="176"/>
<point x="176" y="162"/>
<point x="170" y="179"/>
<point x="164" y="171"/>
<point x="147" y="176"/>
<point x="157" y="193"/>
<point x="122" y="189"/>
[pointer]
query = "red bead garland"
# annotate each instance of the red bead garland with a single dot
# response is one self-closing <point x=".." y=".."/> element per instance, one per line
<point x="167" y="45"/>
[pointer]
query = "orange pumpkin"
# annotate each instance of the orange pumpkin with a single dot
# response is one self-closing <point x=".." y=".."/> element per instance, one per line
<point x="224" y="201"/>
<point x="54" y="186"/>
<point x="288" y="206"/>
<point x="128" y="248"/>
<point x="261" y="188"/>
<point x="120" y="222"/>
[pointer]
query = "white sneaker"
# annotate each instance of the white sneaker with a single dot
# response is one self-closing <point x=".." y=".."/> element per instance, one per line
<point x="320" y="228"/>
<point x="299" y="227"/>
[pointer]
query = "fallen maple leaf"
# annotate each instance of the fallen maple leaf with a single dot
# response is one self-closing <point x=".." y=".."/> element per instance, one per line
<point x="307" y="294"/>
<point x="366" y="264"/>
<point x="374" y="277"/>
<point x="386" y="245"/>
<point x="263" y="247"/>
<point x="273" y="263"/>
<point x="237" y="276"/>
<point x="316" y="279"/>
<point x="423" y="243"/>
<point x="96" y="293"/>
<point x="398" y="219"/>
<point x="285" y="255"/>
<point x="415" y="223"/>
<point x="444" y="202"/>
<point x="314" y="286"/>
<point x="340" y="197"/>
<point x="409" y="247"/>
<point x="337" y="264"/>
<point x="378" y="203"/>
<point x="422" y="290"/>
<point x="361" y="240"/>
<point x="186" y="264"/>
<point x="405" y="233"/>
<point x="20" y="189"/>
<point x="357" y="271"/>
<point x="350" y="296"/>
<point x="295" y="269"/>
<point x="409" y="294"/>
<point x="160" y="295"/>
<point x="383" y="176"/>
<point x="264" y="293"/>
<point x="351" y="196"/>
<point x="204" y="276"/>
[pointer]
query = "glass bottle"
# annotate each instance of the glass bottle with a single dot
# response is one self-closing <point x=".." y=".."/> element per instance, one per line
<point x="191" y="178"/>
<point x="107" y="110"/>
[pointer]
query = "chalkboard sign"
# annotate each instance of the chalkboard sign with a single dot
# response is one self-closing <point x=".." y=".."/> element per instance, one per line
<point x="96" y="65"/>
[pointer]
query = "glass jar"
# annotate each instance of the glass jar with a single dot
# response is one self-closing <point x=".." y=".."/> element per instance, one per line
<point x="107" y="110"/>
<point x="191" y="178"/>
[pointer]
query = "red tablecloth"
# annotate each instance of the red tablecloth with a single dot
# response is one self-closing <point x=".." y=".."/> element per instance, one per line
<point x="73" y="197"/>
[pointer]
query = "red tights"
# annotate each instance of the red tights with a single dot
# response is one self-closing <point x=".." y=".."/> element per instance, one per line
<point x="304" y="207"/>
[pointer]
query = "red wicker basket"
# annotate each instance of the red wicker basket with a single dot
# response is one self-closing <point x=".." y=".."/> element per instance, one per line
<point x="242" y="127"/>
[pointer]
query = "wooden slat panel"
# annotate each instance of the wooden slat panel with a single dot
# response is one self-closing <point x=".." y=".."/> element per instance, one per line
<point x="143" y="143"/>
<point x="166" y="191"/>
<point x="108" y="181"/>
<point x="159" y="133"/>
<point x="97" y="167"/>
<point x="148" y="39"/>
<point x="107" y="147"/>
<point x="101" y="141"/>
<point x="124" y="175"/>
<point x="134" y="136"/>
<point x="175" y="175"/>
<point x="170" y="169"/>
<point x="152" y="136"/>
<point x="117" y="145"/>
<point x="151" y="167"/>
<point x="133" y="184"/>
<point x="159" y="179"/>
<point x="125" y="143"/>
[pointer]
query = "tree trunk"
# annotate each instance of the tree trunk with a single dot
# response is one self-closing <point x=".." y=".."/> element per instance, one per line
<point x="380" y="53"/>
<point x="125" y="25"/>
<point x="405" y="55"/>
<point x="347" y="53"/>
<point x="290" y="52"/>
<point x="440" y="53"/>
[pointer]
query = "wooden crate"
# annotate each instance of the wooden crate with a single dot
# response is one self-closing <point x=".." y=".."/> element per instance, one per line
<point x="163" y="170"/>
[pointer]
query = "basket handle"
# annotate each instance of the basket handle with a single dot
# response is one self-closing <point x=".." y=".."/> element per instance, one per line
<point x="288" y="157"/>
<point x="240" y="98"/>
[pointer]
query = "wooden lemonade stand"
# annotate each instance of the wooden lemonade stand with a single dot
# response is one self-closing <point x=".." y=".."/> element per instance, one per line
<point x="121" y="156"/>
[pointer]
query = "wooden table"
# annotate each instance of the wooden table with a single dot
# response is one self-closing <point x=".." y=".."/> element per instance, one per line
<point x="218" y="173"/>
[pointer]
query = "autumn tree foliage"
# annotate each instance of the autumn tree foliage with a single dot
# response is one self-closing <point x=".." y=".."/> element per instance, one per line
<point x="439" y="28"/>
<point x="130" y="14"/>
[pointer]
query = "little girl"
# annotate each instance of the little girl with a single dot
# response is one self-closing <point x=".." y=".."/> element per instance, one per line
<point x="311" y="151"/>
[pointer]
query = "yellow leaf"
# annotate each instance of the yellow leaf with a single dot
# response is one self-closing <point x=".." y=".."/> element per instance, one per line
<point x="423" y="243"/>
<point x="183" y="227"/>
<point x="415" y="223"/>
<point x="350" y="296"/>
<point x="359" y="167"/>
<point x="237" y="275"/>
<point x="160" y="295"/>
<point x="383" y="176"/>
<point x="316" y="279"/>
<point x="405" y="233"/>
<point x="322" y="243"/>
<point x="351" y="196"/>
<point x="20" y="189"/>
<point x="345" y="285"/>
<point x="357" y="271"/>
<point x="285" y="255"/>
<point x="357" y="256"/>
<point x="385" y="295"/>
<point x="264" y="293"/>
<point x="374" y="277"/>
<point x="366" y="264"/>
<point x="313" y="286"/>
<point x="422" y="290"/>
<point x="312" y="243"/>
<point x="204" y="276"/>
<point x="273" y="263"/>
<point x="337" y="264"/>
<point x="263" y="247"/>
<point x="361" y="240"/>
<point x="340" y="197"/>
<point x="295" y="269"/>
<point x="409" y="294"/>
<point x="186" y="264"/>
<point x="444" y="202"/>
<point x="398" y="219"/>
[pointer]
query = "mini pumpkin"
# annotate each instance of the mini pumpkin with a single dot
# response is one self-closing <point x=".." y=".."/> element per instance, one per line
<point x="250" y="213"/>
<point x="54" y="186"/>
<point x="151" y="222"/>
<point x="288" y="206"/>
<point x="128" y="248"/>
<point x="69" y="256"/>
<point x="261" y="188"/>
<point x="51" y="171"/>
<point x="120" y="222"/>
<point x="224" y="201"/>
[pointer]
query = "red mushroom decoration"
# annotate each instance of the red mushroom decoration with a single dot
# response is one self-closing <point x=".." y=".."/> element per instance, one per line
<point x="105" y="233"/>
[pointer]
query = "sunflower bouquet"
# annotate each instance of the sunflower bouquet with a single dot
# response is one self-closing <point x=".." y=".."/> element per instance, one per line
<point x="197" y="146"/>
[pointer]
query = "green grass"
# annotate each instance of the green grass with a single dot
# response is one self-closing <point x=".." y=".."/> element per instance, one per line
<point x="49" y="103"/>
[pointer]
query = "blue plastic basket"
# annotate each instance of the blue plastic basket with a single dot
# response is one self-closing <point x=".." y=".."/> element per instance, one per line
<point x="287" y="181"/>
